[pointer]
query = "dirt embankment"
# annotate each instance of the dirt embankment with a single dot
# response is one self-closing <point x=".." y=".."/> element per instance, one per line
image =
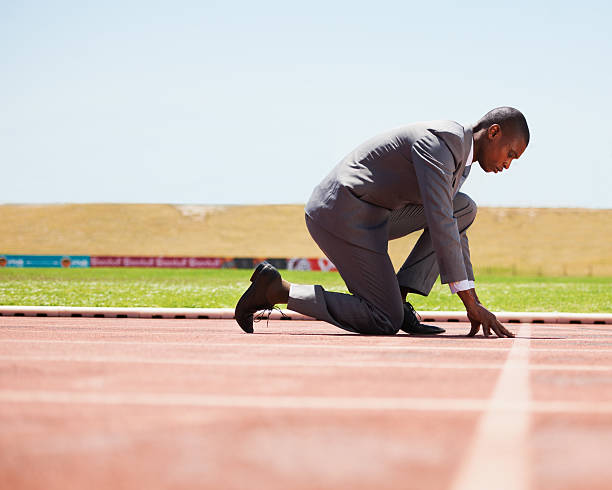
<point x="536" y="240"/>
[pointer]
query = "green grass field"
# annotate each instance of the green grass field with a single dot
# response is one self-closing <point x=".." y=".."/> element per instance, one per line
<point x="222" y="288"/>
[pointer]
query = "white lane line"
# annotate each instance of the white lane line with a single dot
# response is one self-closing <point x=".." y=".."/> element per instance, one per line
<point x="444" y="405"/>
<point x="377" y="347"/>
<point x="498" y="456"/>
<point x="296" y="363"/>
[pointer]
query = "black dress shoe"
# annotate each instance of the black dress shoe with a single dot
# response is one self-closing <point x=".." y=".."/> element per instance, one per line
<point x="258" y="269"/>
<point x="413" y="326"/>
<point x="254" y="298"/>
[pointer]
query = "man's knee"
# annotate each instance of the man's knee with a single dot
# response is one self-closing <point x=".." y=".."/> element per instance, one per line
<point x="381" y="320"/>
<point x="389" y="322"/>
<point x="396" y="323"/>
<point x="464" y="208"/>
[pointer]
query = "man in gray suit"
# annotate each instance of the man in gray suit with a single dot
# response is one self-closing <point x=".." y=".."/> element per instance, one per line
<point x="396" y="183"/>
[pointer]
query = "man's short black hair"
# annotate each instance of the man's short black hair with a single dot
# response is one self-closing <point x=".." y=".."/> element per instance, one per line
<point x="506" y="117"/>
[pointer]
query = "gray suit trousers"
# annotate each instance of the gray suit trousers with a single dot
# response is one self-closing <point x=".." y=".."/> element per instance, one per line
<point x="375" y="305"/>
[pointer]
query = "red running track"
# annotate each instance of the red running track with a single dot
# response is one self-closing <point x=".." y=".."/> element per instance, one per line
<point x="136" y="403"/>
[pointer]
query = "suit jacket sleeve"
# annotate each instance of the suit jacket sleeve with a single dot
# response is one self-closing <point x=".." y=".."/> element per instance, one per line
<point x="465" y="245"/>
<point x="434" y="166"/>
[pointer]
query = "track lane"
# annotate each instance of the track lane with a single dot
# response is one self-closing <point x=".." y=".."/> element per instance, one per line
<point x="199" y="404"/>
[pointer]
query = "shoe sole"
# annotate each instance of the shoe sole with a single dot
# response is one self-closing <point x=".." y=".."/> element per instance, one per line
<point x="260" y="267"/>
<point x="428" y="334"/>
<point x="245" y="295"/>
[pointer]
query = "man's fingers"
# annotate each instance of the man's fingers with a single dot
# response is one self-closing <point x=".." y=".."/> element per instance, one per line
<point x="504" y="331"/>
<point x="474" y="329"/>
<point x="500" y="330"/>
<point x="486" y="330"/>
<point x="495" y="326"/>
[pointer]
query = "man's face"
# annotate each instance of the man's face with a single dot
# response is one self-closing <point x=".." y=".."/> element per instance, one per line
<point x="500" y="149"/>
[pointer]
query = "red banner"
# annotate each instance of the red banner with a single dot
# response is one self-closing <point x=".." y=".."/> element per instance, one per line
<point x="296" y="263"/>
<point x="167" y="262"/>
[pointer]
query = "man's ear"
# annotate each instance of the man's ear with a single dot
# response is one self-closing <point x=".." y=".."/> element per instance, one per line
<point x="494" y="131"/>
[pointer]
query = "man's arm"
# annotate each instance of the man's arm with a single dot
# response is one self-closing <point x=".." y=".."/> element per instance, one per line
<point x="433" y="165"/>
<point x="479" y="315"/>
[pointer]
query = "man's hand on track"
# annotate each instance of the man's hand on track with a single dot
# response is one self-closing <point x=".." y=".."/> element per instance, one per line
<point x="479" y="315"/>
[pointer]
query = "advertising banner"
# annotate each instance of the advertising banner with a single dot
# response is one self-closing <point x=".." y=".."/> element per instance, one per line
<point x="303" y="264"/>
<point x="205" y="262"/>
<point x="164" y="262"/>
<point x="44" y="261"/>
<point x="298" y="263"/>
<point x="251" y="262"/>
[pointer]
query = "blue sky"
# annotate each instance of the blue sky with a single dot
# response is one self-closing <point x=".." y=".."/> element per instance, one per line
<point x="254" y="102"/>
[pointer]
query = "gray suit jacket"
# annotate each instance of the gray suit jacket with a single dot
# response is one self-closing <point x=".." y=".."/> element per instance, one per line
<point x="422" y="163"/>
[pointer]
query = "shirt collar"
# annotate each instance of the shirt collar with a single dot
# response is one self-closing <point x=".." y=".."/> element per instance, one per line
<point x="471" y="154"/>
